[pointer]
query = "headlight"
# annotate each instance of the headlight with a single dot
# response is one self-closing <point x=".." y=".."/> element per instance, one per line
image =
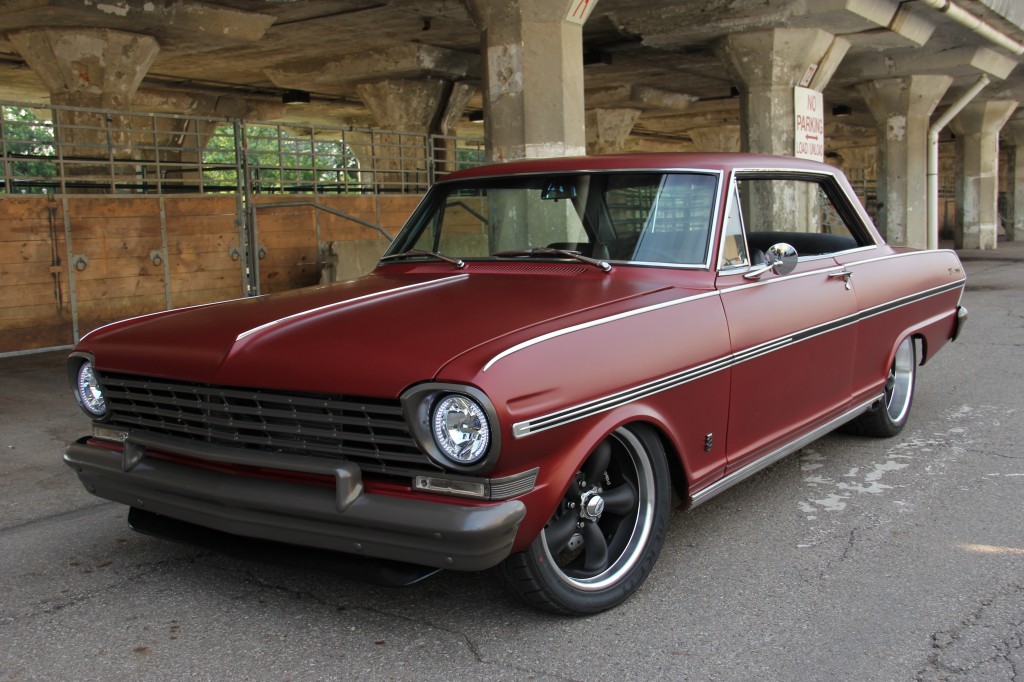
<point x="89" y="392"/>
<point x="461" y="429"/>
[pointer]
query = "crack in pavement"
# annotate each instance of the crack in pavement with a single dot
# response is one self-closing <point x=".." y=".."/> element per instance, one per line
<point x="987" y="642"/>
<point x="53" y="605"/>
<point x="470" y="643"/>
<point x="59" y="517"/>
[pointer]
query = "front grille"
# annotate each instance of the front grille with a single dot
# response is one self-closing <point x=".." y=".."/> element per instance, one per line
<point x="370" y="431"/>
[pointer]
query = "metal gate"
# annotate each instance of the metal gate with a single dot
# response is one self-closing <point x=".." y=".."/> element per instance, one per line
<point x="108" y="214"/>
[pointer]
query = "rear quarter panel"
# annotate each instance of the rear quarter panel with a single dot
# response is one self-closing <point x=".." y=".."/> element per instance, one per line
<point x="900" y="292"/>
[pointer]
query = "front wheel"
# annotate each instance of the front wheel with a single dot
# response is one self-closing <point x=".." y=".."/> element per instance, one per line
<point x="890" y="416"/>
<point x="606" y="534"/>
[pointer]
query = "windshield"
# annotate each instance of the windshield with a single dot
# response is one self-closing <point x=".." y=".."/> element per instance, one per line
<point x="622" y="217"/>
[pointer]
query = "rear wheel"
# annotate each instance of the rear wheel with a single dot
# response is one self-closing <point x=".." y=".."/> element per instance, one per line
<point x="606" y="534"/>
<point x="890" y="416"/>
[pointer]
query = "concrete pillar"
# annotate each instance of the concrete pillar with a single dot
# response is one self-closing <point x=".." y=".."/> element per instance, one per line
<point x="607" y="129"/>
<point x="93" y="68"/>
<point x="533" y="83"/>
<point x="902" y="108"/>
<point x="766" y="66"/>
<point x="723" y="138"/>
<point x="1014" y="133"/>
<point x="446" y="153"/>
<point x="977" y="188"/>
<point x="408" y="110"/>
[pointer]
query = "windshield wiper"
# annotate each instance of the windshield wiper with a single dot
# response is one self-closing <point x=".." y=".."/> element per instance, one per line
<point x="548" y="251"/>
<point x="418" y="253"/>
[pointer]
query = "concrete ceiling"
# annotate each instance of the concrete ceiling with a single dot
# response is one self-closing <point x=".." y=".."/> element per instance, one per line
<point x="656" y="56"/>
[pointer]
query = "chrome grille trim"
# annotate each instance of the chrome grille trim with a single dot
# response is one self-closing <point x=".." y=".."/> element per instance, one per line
<point x="370" y="431"/>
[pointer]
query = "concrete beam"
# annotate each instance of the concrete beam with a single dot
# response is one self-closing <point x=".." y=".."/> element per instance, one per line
<point x="657" y="98"/>
<point x="167" y="20"/>
<point x="643" y="97"/>
<point x="459" y="98"/>
<point x="962" y="61"/>
<point x="399" y="62"/>
<point x="607" y="129"/>
<point x="680" y="24"/>
<point x="724" y="138"/>
<point x="87" y="67"/>
<point x="412" y="106"/>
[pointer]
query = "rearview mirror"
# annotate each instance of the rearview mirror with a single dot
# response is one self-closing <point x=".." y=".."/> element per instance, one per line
<point x="556" y="189"/>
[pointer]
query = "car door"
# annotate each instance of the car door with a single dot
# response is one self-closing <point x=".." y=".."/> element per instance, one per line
<point x="793" y="336"/>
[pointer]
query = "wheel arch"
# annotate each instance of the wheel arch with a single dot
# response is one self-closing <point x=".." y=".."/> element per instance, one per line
<point x="645" y="417"/>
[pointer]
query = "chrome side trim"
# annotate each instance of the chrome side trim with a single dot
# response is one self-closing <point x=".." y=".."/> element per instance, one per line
<point x="789" y="448"/>
<point x="593" y="323"/>
<point x="624" y="397"/>
<point x="348" y="302"/>
<point x="159" y="313"/>
<point x="606" y="403"/>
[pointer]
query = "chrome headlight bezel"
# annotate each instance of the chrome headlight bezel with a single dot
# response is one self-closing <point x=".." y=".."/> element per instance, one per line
<point x="421" y="405"/>
<point x="85" y="386"/>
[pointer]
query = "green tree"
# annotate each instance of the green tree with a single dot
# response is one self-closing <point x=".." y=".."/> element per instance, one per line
<point x="29" y="152"/>
<point x="282" y="161"/>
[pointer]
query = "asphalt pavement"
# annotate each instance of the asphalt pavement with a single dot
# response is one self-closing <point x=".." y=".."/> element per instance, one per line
<point x="853" y="559"/>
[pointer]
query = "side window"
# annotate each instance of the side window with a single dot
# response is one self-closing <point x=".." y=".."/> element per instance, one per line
<point x="798" y="212"/>
<point x="734" y="245"/>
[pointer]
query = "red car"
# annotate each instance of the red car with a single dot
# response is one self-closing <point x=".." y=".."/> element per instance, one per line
<point x="547" y="351"/>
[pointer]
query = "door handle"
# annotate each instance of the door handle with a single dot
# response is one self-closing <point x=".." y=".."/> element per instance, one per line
<point x="844" y="275"/>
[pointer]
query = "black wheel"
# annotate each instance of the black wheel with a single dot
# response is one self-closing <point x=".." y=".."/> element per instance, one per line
<point x="603" y="540"/>
<point x="890" y="416"/>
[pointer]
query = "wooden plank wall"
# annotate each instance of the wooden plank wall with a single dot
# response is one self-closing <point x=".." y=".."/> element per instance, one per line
<point x="290" y="232"/>
<point x="118" y="235"/>
<point x="201" y="231"/>
<point x="35" y="310"/>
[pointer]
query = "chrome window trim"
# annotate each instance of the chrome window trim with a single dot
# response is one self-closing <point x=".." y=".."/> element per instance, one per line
<point x="712" y="227"/>
<point x="827" y="175"/>
<point x="732" y="202"/>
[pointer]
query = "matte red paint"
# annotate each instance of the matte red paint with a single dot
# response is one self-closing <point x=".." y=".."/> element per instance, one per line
<point x="409" y="323"/>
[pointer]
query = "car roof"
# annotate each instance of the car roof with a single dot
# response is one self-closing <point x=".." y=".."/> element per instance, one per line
<point x="712" y="161"/>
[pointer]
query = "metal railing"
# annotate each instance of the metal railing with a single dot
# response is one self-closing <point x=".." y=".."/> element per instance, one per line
<point x="70" y="150"/>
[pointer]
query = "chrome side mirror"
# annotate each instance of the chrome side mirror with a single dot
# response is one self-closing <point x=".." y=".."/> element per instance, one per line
<point x="780" y="259"/>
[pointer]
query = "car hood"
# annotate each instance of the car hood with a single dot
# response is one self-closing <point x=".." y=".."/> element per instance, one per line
<point x="372" y="336"/>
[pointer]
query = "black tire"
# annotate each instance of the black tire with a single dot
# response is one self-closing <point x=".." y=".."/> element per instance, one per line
<point x="603" y="540"/>
<point x="888" y="418"/>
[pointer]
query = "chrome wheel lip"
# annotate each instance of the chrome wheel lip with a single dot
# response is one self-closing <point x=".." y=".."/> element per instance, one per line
<point x="897" y="400"/>
<point x="642" y="525"/>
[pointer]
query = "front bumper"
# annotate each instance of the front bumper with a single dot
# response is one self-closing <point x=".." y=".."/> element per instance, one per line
<point x="435" y="534"/>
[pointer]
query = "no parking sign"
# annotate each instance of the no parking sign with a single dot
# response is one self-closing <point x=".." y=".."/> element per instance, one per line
<point x="809" y="114"/>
